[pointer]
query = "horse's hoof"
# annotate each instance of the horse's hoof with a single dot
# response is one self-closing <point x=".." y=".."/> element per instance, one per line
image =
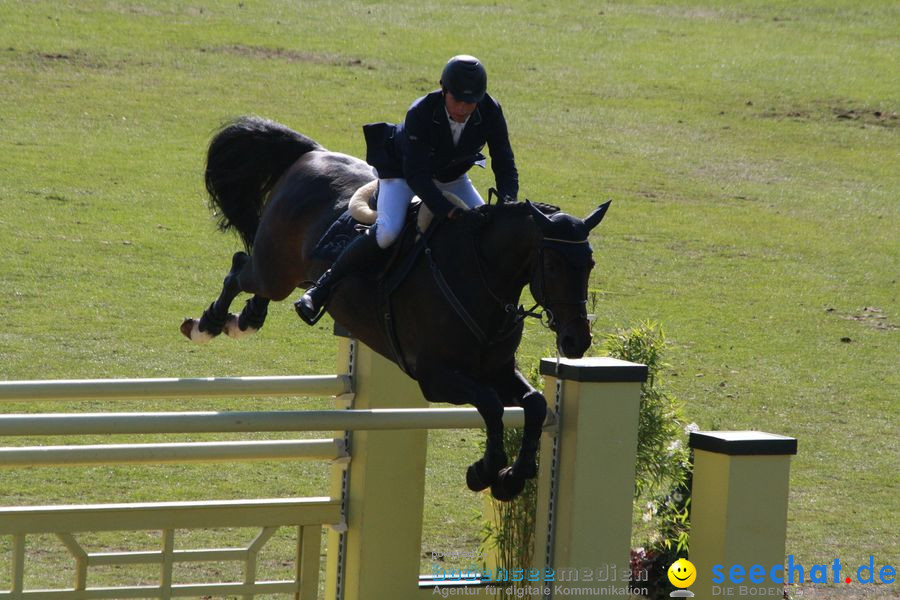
<point x="477" y="478"/>
<point x="233" y="330"/>
<point x="508" y="485"/>
<point x="525" y="469"/>
<point x="186" y="327"/>
<point x="190" y="328"/>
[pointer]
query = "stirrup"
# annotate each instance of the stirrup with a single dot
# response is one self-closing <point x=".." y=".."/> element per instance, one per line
<point x="315" y="318"/>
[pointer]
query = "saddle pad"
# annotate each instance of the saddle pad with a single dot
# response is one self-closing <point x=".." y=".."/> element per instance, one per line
<point x="337" y="237"/>
<point x="346" y="229"/>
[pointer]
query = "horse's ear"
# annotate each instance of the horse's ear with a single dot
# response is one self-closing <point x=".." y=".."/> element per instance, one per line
<point x="593" y="219"/>
<point x="540" y="218"/>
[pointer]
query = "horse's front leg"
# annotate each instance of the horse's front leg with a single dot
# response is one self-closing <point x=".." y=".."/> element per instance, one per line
<point x="515" y="389"/>
<point x="441" y="384"/>
<point x="250" y="320"/>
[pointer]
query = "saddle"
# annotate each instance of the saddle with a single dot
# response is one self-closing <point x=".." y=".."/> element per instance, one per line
<point x="364" y="202"/>
<point x="362" y="213"/>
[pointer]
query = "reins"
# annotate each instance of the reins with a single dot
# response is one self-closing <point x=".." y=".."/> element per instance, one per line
<point x="453" y="300"/>
<point x="514" y="314"/>
<point x="545" y="316"/>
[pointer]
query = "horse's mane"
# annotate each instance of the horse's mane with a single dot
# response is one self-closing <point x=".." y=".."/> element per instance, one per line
<point x="547" y="209"/>
<point x="516" y="208"/>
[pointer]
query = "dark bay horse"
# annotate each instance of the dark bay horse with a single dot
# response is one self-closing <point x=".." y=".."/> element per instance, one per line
<point x="281" y="190"/>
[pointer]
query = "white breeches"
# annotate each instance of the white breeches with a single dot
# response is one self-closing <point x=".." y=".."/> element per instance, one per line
<point x="394" y="196"/>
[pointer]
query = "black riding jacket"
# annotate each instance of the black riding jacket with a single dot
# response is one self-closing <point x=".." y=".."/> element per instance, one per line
<point x="421" y="149"/>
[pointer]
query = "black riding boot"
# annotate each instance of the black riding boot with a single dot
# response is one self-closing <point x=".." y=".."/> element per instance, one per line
<point x="362" y="253"/>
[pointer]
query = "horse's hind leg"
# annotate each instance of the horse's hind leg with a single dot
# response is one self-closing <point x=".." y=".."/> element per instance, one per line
<point x="515" y="389"/>
<point x="216" y="317"/>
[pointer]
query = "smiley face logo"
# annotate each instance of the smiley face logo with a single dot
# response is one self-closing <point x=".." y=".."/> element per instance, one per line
<point x="682" y="573"/>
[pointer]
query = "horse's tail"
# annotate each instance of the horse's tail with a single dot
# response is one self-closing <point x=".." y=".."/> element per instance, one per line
<point x="246" y="158"/>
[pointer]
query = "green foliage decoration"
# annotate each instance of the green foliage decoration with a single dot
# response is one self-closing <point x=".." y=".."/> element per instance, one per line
<point x="663" y="467"/>
<point x="661" y="420"/>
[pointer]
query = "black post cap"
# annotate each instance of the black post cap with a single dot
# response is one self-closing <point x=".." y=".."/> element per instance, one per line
<point x="743" y="443"/>
<point x="598" y="369"/>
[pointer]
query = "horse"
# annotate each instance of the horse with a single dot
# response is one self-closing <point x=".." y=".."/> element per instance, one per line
<point x="455" y="317"/>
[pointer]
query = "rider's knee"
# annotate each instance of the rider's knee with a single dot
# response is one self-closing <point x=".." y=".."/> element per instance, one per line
<point x="385" y="235"/>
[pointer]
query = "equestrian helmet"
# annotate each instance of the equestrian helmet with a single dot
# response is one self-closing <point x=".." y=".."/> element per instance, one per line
<point x="464" y="77"/>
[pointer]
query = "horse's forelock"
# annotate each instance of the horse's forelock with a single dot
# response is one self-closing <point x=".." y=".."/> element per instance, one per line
<point x="568" y="235"/>
<point x="566" y="228"/>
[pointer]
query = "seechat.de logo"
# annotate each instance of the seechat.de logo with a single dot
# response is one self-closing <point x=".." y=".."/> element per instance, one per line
<point x="795" y="573"/>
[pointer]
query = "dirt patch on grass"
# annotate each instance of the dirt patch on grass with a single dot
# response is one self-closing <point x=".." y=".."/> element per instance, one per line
<point x="74" y="58"/>
<point x="693" y="13"/>
<point x="879" y="117"/>
<point x="872" y="316"/>
<point x="295" y="56"/>
<point x="834" y="111"/>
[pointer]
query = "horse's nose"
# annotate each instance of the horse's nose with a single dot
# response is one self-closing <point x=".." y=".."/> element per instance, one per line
<point x="574" y="346"/>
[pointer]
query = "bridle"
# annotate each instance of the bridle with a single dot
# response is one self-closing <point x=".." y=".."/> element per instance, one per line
<point x="545" y="301"/>
<point x="540" y="309"/>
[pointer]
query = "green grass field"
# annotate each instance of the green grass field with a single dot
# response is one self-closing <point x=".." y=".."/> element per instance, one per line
<point x="747" y="146"/>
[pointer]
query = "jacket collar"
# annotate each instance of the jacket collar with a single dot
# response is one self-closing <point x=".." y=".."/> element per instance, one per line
<point x="439" y="116"/>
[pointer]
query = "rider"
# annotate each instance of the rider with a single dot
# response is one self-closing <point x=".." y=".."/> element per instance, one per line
<point x="428" y="155"/>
